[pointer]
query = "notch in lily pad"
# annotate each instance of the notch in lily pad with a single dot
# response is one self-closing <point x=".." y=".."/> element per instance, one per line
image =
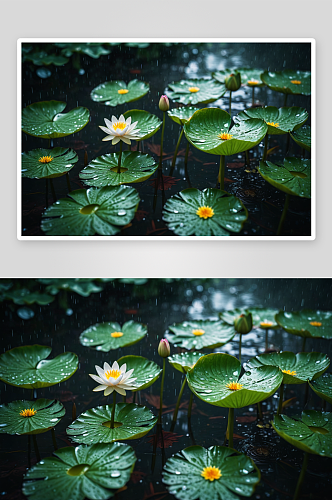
<point x="200" y="334"/>
<point x="116" y="92"/>
<point x="323" y="387"/>
<point x="109" y="336"/>
<point x="195" y="91"/>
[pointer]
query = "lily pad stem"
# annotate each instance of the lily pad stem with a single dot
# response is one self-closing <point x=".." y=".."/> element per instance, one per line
<point x="176" y="151"/>
<point x="240" y="347"/>
<point x="265" y="147"/>
<point x="175" y="414"/>
<point x="302" y="474"/>
<point x="253" y="96"/>
<point x="285" y="101"/>
<point x="73" y="412"/>
<point x="119" y="159"/>
<point x="190" y="405"/>
<point x="186" y="156"/>
<point x="222" y="172"/>
<point x="283" y="215"/>
<point x="113" y="410"/>
<point x="54" y="440"/>
<point x="230" y="102"/>
<point x="266" y="339"/>
<point x="162" y="389"/>
<point x="53" y="191"/>
<point x="68" y="182"/>
<point x="281" y="398"/>
<point x="230" y="427"/>
<point x="162" y="142"/>
<point x="36" y="447"/>
<point x="46" y="193"/>
<point x="303" y="343"/>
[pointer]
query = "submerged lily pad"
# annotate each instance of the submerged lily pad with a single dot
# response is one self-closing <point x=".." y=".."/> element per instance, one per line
<point x="93" y="211"/>
<point x="216" y="380"/>
<point x="186" y="474"/>
<point x="307" y="323"/>
<point x="93" y="472"/>
<point x="200" y="334"/>
<point x="184" y="361"/>
<point x="202" y="91"/>
<point x="45" y="119"/>
<point x="102" y="171"/>
<point x="302" y="137"/>
<point x="145" y="371"/>
<point x="284" y="119"/>
<point x="262" y="317"/>
<point x="323" y="387"/>
<point x="209" y="130"/>
<point x="293" y="177"/>
<point x="26" y="367"/>
<point x="131" y="421"/>
<point x="42" y="58"/>
<point x="94" y="50"/>
<point x="117" y="92"/>
<point x="45" y="414"/>
<point x="288" y="81"/>
<point x="219" y="213"/>
<point x="296" y="368"/>
<point x="148" y="124"/>
<point x="312" y="434"/>
<point x="81" y="286"/>
<point x="107" y="336"/>
<point x="182" y="115"/>
<point x="62" y="160"/>
<point x="24" y="296"/>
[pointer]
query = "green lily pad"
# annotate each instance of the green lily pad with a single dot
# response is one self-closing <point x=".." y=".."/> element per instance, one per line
<point x="312" y="434"/>
<point x="63" y="160"/>
<point x="182" y="115"/>
<point x="184" y="361"/>
<point x="23" y="296"/>
<point x="293" y="177"/>
<point x="145" y="371"/>
<point x="45" y="119"/>
<point x="26" y="367"/>
<point x="48" y="413"/>
<point x="132" y="421"/>
<point x="81" y="286"/>
<point x="41" y="58"/>
<point x="303" y="366"/>
<point x="221" y="74"/>
<point x="251" y="77"/>
<point x="108" y="92"/>
<point x="180" y="213"/>
<point x="323" y="387"/>
<point x="148" y="124"/>
<point x="93" y="211"/>
<point x="102" y="171"/>
<point x="183" y="474"/>
<point x="285" y="119"/>
<point x="93" y="472"/>
<point x="281" y="81"/>
<point x="94" y="50"/>
<point x="262" y="317"/>
<point x="100" y="337"/>
<point x="209" y="378"/>
<point x="208" y="91"/>
<point x="206" y="125"/>
<point x="302" y="137"/>
<point x="200" y="334"/>
<point x="307" y="323"/>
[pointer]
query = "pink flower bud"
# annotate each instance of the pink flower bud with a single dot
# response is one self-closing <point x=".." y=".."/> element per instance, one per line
<point x="164" y="105"/>
<point x="164" y="349"/>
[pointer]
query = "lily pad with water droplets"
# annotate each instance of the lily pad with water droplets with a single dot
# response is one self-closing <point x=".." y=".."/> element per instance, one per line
<point x="262" y="317"/>
<point x="202" y="91"/>
<point x="45" y="119"/>
<point x="23" y="296"/>
<point x="131" y="421"/>
<point x="148" y="124"/>
<point x="182" y="115"/>
<point x="146" y="372"/>
<point x="285" y="119"/>
<point x="302" y="137"/>
<point x="117" y="92"/>
<point x="293" y="177"/>
<point x="281" y="81"/>
<point x="228" y="213"/>
<point x="47" y="414"/>
<point x="81" y="286"/>
<point x="62" y="160"/>
<point x="27" y="367"/>
<point x="107" y="336"/>
<point x="94" y="50"/>
<point x="323" y="387"/>
<point x="301" y="367"/>
<point x="209" y="128"/>
<point x="184" y="361"/>
<point x="42" y="58"/>
<point x="307" y="323"/>
<point x="311" y="434"/>
<point x="183" y="474"/>
<point x="103" y="171"/>
<point x="210" y="377"/>
<point x="93" y="211"/>
<point x="93" y="472"/>
<point x="251" y="77"/>
<point x="200" y="334"/>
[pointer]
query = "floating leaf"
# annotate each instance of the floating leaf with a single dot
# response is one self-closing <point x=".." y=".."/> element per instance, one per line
<point x="281" y="81"/>
<point x="93" y="472"/>
<point x="323" y="387"/>
<point x="182" y="115"/>
<point x="307" y="323"/>
<point x="44" y="119"/>
<point x="94" y="50"/>
<point x="148" y="124"/>
<point x="26" y="367"/>
<point x="103" y="171"/>
<point x="262" y="317"/>
<point x="24" y="296"/>
<point x="285" y="119"/>
<point x="227" y="213"/>
<point x="200" y="334"/>
<point x="146" y="372"/>
<point x="131" y="421"/>
<point x="302" y="137"/>
<point x="81" y="286"/>
<point x="251" y="77"/>
<point x="210" y="377"/>
<point x="43" y="59"/>
<point x="116" y="92"/>
<point x="235" y="474"/>
<point x="293" y="177"/>
<point x="202" y="91"/>
<point x="184" y="361"/>
<point x="106" y="336"/>
<point x="62" y="160"/>
<point x="45" y="414"/>
<point x="93" y="211"/>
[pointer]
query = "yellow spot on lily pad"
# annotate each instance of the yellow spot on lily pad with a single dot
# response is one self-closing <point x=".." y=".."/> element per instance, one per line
<point x="315" y="323"/>
<point x="266" y="324"/>
<point x="193" y="89"/>
<point x="272" y="124"/>
<point x="123" y="91"/>
<point x="29" y="412"/>
<point x="211" y="473"/>
<point x="205" y="212"/>
<point x="116" y="335"/>
<point x="234" y="386"/>
<point x="198" y="332"/>
<point x="225" y="137"/>
<point x="296" y="82"/>
<point x="45" y="159"/>
<point x="289" y="372"/>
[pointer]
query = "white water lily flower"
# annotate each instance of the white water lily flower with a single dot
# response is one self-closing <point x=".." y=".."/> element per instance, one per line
<point x="120" y="130"/>
<point x="114" y="379"/>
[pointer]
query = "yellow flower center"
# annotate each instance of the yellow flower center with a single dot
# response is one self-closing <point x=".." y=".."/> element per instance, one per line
<point x="211" y="473"/>
<point x="289" y="372"/>
<point x="252" y="82"/>
<point x="225" y="137"/>
<point x="198" y="332"/>
<point x="296" y="82"/>
<point x="315" y="323"/>
<point x="266" y="323"/>
<point x="123" y="91"/>
<point x="120" y="125"/>
<point x="45" y="159"/>
<point x="116" y="335"/>
<point x="113" y="374"/>
<point x="234" y="386"/>
<point x="29" y="412"/>
<point x="205" y="212"/>
<point x="272" y="124"/>
<point x="193" y="89"/>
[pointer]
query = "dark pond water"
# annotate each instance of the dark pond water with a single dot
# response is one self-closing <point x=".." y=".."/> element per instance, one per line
<point x="159" y="65"/>
<point x="158" y="304"/>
